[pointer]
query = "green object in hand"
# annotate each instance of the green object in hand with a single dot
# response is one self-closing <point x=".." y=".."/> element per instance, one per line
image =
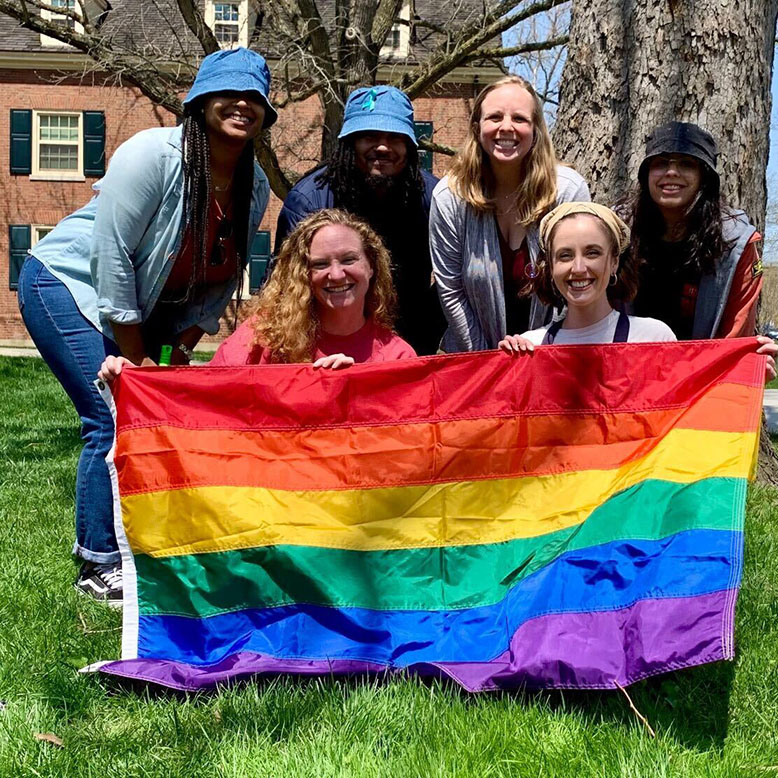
<point x="164" y="356"/>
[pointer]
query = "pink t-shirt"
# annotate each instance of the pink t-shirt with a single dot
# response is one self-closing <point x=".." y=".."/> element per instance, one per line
<point x="370" y="343"/>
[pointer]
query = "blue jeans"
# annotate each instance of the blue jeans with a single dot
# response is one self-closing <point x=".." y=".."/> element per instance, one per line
<point x="74" y="350"/>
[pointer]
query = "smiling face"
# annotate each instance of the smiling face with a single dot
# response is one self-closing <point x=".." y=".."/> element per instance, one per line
<point x="380" y="153"/>
<point x="340" y="270"/>
<point x="233" y="117"/>
<point x="506" y="127"/>
<point x="673" y="182"/>
<point x="582" y="262"/>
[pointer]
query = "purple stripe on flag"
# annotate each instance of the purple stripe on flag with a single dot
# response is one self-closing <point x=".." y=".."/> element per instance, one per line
<point x="567" y="650"/>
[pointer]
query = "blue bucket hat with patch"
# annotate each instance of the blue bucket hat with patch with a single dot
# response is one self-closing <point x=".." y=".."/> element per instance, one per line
<point x="378" y="109"/>
<point x="234" y="70"/>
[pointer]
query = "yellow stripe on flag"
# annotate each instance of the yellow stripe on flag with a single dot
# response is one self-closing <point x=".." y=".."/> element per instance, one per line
<point x="222" y="518"/>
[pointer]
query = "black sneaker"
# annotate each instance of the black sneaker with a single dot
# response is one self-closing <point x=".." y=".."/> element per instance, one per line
<point x="102" y="583"/>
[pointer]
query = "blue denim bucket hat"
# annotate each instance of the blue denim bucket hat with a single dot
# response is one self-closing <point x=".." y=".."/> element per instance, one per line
<point x="378" y="109"/>
<point x="234" y="70"/>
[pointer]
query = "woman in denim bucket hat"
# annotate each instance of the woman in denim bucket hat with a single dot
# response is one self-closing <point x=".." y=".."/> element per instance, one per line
<point x="152" y="259"/>
<point x="701" y="272"/>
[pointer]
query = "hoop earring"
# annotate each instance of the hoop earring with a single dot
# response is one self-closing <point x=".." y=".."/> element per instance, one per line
<point x="614" y="279"/>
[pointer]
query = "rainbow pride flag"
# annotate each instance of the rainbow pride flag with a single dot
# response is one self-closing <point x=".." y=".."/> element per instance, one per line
<point x="569" y="519"/>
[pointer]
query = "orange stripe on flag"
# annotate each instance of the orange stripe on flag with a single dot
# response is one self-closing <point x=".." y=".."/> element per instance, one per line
<point x="162" y="458"/>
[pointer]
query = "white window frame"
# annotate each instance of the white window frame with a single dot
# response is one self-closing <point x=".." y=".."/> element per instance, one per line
<point x="36" y="230"/>
<point x="47" y="40"/>
<point x="57" y="175"/>
<point x="403" y="48"/>
<point x="242" y="24"/>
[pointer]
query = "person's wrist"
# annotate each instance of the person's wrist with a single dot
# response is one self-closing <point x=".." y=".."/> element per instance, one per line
<point x="135" y="358"/>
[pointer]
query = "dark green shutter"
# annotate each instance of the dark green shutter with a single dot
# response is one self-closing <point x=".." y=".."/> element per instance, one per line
<point x="94" y="143"/>
<point x="21" y="142"/>
<point x="424" y="130"/>
<point x="258" y="260"/>
<point x="18" y="244"/>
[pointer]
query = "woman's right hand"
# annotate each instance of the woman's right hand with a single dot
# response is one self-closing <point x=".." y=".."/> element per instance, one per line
<point x="111" y="368"/>
<point x="515" y="344"/>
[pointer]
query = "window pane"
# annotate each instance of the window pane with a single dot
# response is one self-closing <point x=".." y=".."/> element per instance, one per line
<point x="58" y="128"/>
<point x="54" y="157"/>
<point x="393" y="39"/>
<point x="64" y="21"/>
<point x="225" y="12"/>
<point x="226" y="33"/>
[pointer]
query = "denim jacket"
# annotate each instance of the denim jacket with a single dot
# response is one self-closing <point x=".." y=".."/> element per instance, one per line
<point x="114" y="255"/>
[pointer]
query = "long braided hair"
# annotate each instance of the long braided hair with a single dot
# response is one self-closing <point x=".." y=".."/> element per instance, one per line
<point x="347" y="181"/>
<point x="198" y="191"/>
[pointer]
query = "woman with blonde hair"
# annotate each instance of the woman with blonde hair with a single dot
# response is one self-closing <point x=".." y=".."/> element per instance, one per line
<point x="330" y="301"/>
<point x="485" y="214"/>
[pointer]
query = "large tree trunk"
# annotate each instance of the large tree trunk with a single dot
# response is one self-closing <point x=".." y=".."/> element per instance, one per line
<point x="632" y="66"/>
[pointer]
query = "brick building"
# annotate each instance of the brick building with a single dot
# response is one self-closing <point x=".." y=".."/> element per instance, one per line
<point x="61" y="121"/>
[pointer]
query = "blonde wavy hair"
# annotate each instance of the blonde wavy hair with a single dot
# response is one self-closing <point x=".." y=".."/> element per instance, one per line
<point x="471" y="177"/>
<point x="286" y="319"/>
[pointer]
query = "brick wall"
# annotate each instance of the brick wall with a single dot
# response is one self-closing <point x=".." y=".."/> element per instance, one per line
<point x="295" y="135"/>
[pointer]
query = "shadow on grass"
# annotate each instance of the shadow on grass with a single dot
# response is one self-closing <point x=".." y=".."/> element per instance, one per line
<point x="690" y="706"/>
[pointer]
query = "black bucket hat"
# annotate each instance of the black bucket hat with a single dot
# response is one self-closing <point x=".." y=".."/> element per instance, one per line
<point x="681" y="138"/>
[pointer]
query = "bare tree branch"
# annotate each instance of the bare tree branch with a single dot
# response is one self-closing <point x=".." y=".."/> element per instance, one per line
<point x="497" y="20"/>
<point x="524" y="48"/>
<point x="438" y="148"/>
<point x="385" y="16"/>
<point x="196" y="23"/>
<point x="268" y="161"/>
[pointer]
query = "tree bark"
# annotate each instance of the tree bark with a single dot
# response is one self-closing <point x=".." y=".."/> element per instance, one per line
<point x="632" y="66"/>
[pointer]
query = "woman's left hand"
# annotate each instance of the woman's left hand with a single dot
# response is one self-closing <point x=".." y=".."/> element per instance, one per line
<point x="334" y="362"/>
<point x="770" y="347"/>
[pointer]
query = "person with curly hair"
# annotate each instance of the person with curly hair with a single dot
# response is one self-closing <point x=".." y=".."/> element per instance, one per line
<point x="700" y="269"/>
<point x="485" y="215"/>
<point x="152" y="259"/>
<point x="330" y="301"/>
<point x="374" y="173"/>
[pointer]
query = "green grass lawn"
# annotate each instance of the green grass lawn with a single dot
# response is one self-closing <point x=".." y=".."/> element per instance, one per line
<point x="719" y="720"/>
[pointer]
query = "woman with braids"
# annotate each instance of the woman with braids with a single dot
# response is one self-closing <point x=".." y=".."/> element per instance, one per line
<point x="700" y="270"/>
<point x="329" y="301"/>
<point x="152" y="259"/>
<point x="485" y="214"/>
<point x="374" y="173"/>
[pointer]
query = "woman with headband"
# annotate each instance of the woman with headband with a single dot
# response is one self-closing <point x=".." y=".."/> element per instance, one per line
<point x="581" y="246"/>
<point x="485" y="214"/>
<point x="585" y="265"/>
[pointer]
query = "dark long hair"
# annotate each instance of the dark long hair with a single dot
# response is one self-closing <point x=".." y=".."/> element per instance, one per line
<point x="347" y="181"/>
<point x="198" y="190"/>
<point x="702" y="228"/>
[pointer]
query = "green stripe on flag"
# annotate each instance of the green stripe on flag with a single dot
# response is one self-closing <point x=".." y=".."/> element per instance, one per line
<point x="435" y="578"/>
